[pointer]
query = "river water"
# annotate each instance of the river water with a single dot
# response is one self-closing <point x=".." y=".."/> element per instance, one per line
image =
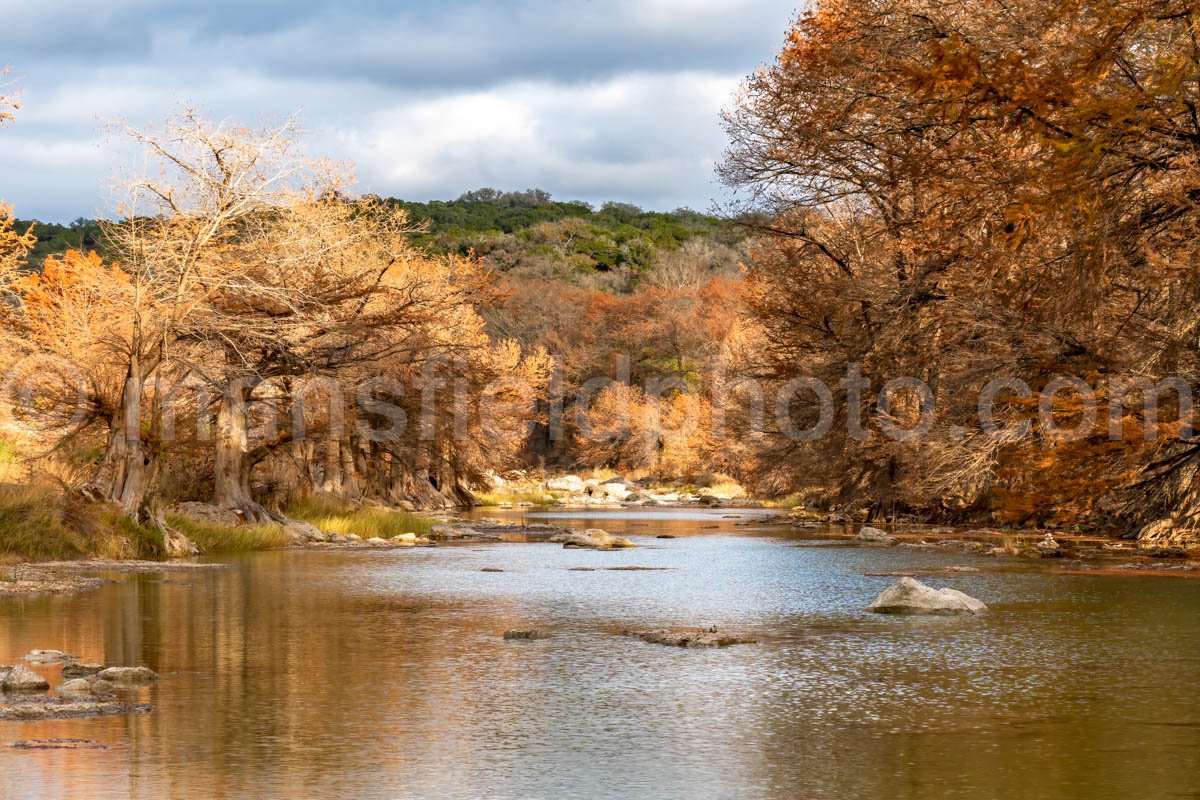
<point x="383" y="674"/>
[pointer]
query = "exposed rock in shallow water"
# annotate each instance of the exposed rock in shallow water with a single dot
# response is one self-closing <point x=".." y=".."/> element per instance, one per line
<point x="128" y="675"/>
<point x="1049" y="548"/>
<point x="38" y="708"/>
<point x="591" y="539"/>
<point x="874" y="536"/>
<point x="910" y="596"/>
<point x="76" y="687"/>
<point x="690" y="638"/>
<point x="48" y="657"/>
<point x="22" y="679"/>
<point x="79" y="669"/>
<point x="529" y="634"/>
<point x="491" y="569"/>
<point x="58" y="744"/>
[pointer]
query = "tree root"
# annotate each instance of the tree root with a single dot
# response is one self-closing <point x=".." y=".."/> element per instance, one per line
<point x="1171" y="532"/>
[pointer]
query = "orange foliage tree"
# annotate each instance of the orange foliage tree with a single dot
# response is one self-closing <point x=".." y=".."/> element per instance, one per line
<point x="963" y="192"/>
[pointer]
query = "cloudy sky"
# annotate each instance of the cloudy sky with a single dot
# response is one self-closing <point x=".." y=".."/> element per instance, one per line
<point x="607" y="99"/>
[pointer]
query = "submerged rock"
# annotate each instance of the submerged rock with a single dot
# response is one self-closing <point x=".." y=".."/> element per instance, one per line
<point x="535" y="633"/>
<point x="910" y="596"/>
<point x="491" y="569"/>
<point x="76" y="687"/>
<point x="79" y="669"/>
<point x="690" y="638"/>
<point x="128" y="675"/>
<point x="38" y="708"/>
<point x="591" y="539"/>
<point x="48" y="657"/>
<point x="86" y="687"/>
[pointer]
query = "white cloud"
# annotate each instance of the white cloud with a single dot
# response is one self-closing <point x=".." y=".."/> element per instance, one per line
<point x="588" y="100"/>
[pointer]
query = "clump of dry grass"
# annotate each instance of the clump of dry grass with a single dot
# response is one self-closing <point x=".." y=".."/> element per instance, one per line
<point x="41" y="521"/>
<point x="338" y="516"/>
<point x="212" y="537"/>
<point x="514" y="496"/>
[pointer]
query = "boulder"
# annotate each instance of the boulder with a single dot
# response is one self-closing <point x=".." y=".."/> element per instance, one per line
<point x="300" y="532"/>
<point x="567" y="483"/>
<point x="78" y="669"/>
<point x="1048" y="547"/>
<point x="591" y="539"/>
<point x="636" y="497"/>
<point x="48" y="657"/>
<point x="874" y="536"/>
<point x="616" y="491"/>
<point x="128" y="675"/>
<point x="376" y="541"/>
<point x="22" y="679"/>
<point x="910" y="596"/>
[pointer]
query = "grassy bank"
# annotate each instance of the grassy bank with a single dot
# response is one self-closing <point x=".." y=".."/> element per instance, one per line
<point x="337" y="516"/>
<point x="515" y="496"/>
<point x="42" y="523"/>
<point x="215" y="538"/>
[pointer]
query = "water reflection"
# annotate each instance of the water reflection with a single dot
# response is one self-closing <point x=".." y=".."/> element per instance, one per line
<point x="383" y="675"/>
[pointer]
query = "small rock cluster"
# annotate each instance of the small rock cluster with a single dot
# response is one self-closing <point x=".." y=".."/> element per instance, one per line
<point x="572" y="490"/>
<point x="87" y="688"/>
<point x="354" y="540"/>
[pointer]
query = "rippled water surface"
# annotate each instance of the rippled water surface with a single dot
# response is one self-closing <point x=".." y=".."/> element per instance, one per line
<point x="383" y="674"/>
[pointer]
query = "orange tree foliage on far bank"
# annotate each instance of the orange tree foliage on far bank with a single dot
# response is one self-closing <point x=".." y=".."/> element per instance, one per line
<point x="961" y="192"/>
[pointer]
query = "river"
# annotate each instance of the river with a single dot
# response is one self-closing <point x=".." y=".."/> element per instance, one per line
<point x="383" y="674"/>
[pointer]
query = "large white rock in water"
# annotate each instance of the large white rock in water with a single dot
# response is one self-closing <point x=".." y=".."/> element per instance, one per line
<point x="591" y="539"/>
<point x="910" y="596"/>
<point x="22" y="679"/>
<point x="874" y="535"/>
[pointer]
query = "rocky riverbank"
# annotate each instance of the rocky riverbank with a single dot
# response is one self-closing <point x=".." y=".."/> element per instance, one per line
<point x="1064" y="552"/>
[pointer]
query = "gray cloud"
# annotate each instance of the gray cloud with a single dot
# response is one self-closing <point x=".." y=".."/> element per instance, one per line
<point x="589" y="100"/>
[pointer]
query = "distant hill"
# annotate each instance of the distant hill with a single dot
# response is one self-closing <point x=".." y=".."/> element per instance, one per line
<point x="526" y="232"/>
<point x="82" y="234"/>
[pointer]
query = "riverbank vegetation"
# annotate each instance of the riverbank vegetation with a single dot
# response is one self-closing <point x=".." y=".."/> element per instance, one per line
<point x="929" y="199"/>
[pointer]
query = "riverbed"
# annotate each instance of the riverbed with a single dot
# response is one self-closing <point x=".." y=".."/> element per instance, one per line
<point x="384" y="674"/>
